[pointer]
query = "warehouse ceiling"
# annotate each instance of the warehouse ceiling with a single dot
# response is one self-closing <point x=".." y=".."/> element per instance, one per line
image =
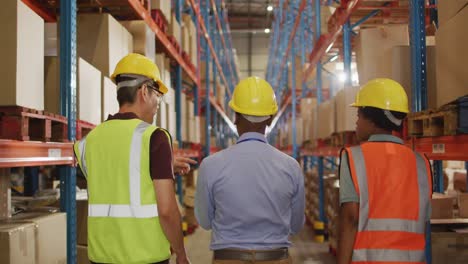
<point x="249" y="14"/>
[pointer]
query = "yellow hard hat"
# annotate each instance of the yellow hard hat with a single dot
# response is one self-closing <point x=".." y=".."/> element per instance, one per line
<point x="254" y="96"/>
<point x="382" y="93"/>
<point x="138" y="64"/>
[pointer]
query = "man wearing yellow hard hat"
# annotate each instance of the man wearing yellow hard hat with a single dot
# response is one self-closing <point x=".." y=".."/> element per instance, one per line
<point x="385" y="187"/>
<point x="251" y="195"/>
<point x="133" y="215"/>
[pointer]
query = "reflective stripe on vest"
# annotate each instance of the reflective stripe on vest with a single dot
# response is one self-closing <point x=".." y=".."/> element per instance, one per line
<point x="82" y="148"/>
<point x="389" y="255"/>
<point x="366" y="224"/>
<point x="135" y="209"/>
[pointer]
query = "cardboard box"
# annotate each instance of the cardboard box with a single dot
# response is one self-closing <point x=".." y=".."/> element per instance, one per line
<point x="374" y="50"/>
<point x="102" y="41"/>
<point x="164" y="6"/>
<point x="299" y="131"/>
<point x="161" y="116"/>
<point x="442" y="206"/>
<point x="52" y="85"/>
<point x="160" y="60"/>
<point x="449" y="247"/>
<point x="50" y="235"/>
<point x="171" y="121"/>
<point x="82" y="255"/>
<point x="346" y="116"/>
<point x="197" y="128"/>
<point x="193" y="41"/>
<point x="189" y="197"/>
<point x="463" y="205"/>
<point x="17" y="243"/>
<point x="448" y="9"/>
<point x="401" y="71"/>
<point x="202" y="129"/>
<point x="144" y="41"/>
<point x="51" y="39"/>
<point x="89" y="92"/>
<point x="299" y="73"/>
<point x="88" y="89"/>
<point x="110" y="105"/>
<point x="203" y="70"/>
<point x="326" y="119"/>
<point x="22" y="53"/>
<point x="308" y="105"/>
<point x="184" y="117"/>
<point x="452" y="74"/>
<point x="82" y="222"/>
<point x="174" y="29"/>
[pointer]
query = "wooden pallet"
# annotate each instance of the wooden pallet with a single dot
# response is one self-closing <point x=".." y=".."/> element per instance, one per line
<point x="83" y="128"/>
<point x="431" y="123"/>
<point x="21" y="123"/>
<point x="346" y="138"/>
<point x="160" y="19"/>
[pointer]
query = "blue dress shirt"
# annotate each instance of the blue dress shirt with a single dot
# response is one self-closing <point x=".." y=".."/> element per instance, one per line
<point x="251" y="195"/>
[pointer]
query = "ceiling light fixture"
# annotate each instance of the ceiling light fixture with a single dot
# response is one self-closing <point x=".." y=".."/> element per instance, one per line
<point x="269" y="8"/>
<point x="267" y="30"/>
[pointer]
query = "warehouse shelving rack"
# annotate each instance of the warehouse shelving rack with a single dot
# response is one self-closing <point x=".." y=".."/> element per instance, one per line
<point x="33" y="154"/>
<point x="341" y="28"/>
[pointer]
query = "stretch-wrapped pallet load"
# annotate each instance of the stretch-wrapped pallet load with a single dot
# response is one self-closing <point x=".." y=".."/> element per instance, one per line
<point x="22" y="53"/>
<point x="102" y="41"/>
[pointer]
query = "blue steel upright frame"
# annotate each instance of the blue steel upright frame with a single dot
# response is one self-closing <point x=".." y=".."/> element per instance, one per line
<point x="178" y="101"/>
<point x="419" y="84"/>
<point x="68" y="66"/>
<point x="204" y="6"/>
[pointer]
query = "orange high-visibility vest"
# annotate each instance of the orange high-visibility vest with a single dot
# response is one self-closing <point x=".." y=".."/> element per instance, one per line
<point x="394" y="185"/>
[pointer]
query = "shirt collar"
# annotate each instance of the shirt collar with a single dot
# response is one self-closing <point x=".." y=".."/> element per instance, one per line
<point x="123" y="116"/>
<point x="252" y="135"/>
<point x="385" y="138"/>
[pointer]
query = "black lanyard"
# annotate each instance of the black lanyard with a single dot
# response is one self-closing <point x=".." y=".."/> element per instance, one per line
<point x="251" y="139"/>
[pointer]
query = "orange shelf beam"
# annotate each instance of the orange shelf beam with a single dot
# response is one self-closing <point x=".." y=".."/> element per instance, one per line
<point x="40" y="10"/>
<point x="33" y="153"/>
<point x="145" y="15"/>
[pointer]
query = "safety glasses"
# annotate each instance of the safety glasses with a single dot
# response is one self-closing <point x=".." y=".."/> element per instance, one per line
<point x="155" y="87"/>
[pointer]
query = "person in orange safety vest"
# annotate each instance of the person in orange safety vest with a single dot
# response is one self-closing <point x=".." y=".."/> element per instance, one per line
<point x="385" y="187"/>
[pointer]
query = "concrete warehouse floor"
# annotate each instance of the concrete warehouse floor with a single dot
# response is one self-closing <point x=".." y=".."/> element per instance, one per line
<point x="303" y="251"/>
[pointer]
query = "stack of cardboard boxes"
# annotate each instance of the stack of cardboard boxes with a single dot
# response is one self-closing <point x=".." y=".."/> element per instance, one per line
<point x="82" y="231"/>
<point x="189" y="39"/>
<point x="164" y="6"/>
<point x="26" y="238"/>
<point x="451" y="43"/>
<point x="22" y="55"/>
<point x="309" y="117"/>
